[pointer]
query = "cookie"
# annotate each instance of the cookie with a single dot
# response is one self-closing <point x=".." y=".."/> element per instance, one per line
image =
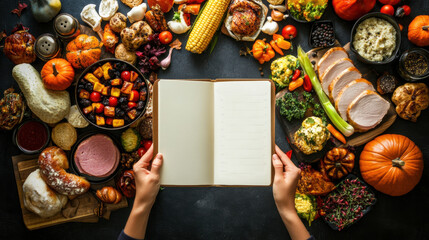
<point x="132" y="3"/>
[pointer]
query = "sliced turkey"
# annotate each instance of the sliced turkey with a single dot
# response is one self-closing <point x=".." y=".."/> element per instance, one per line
<point x="349" y="93"/>
<point x="367" y="111"/>
<point x="330" y="57"/>
<point x="333" y="71"/>
<point x="344" y="78"/>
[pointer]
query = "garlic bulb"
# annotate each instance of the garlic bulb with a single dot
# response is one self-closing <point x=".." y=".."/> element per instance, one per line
<point x="281" y="8"/>
<point x="277" y="15"/>
<point x="178" y="24"/>
<point x="137" y="13"/>
<point x="270" y="27"/>
<point x="107" y="9"/>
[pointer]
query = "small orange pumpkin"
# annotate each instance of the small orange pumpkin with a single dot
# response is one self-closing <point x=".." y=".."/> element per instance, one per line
<point x="418" y="31"/>
<point x="57" y="74"/>
<point x="392" y="164"/>
<point x="83" y="51"/>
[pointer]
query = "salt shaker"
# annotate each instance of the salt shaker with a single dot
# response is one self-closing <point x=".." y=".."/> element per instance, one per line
<point x="47" y="47"/>
<point x="66" y="26"/>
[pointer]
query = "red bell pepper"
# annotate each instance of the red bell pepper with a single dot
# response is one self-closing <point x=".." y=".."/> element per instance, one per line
<point x="307" y="83"/>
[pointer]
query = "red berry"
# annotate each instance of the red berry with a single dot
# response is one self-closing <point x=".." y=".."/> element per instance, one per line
<point x="113" y="101"/>
<point x="141" y="151"/>
<point x="147" y="144"/>
<point x="95" y="97"/>
<point x="126" y="75"/>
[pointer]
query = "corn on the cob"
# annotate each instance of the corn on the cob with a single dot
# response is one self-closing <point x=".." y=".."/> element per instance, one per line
<point x="206" y="25"/>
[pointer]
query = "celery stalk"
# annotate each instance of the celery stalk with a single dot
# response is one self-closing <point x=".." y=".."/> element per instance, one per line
<point x="335" y="118"/>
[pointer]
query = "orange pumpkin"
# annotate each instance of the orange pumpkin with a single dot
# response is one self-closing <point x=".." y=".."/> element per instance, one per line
<point x="57" y="74"/>
<point x="418" y="31"/>
<point x="352" y="9"/>
<point x="392" y="164"/>
<point x="83" y="51"/>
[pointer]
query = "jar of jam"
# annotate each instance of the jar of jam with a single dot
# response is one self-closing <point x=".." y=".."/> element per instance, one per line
<point x="32" y="136"/>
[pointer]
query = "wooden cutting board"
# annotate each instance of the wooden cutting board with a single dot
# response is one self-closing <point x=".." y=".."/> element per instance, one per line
<point x="23" y="165"/>
<point x="357" y="139"/>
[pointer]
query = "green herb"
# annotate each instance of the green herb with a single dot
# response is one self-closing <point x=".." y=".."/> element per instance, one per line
<point x="291" y="107"/>
<point x="176" y="17"/>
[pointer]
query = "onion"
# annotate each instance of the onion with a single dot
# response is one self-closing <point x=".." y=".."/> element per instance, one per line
<point x="277" y="15"/>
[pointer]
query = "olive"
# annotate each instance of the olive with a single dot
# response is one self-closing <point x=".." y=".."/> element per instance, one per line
<point x="124" y="106"/>
<point x="140" y="105"/>
<point x="105" y="101"/>
<point x="91" y="117"/>
<point x="127" y="119"/>
<point x="122" y="100"/>
<point x="89" y="86"/>
<point x="120" y="113"/>
<point x="84" y="102"/>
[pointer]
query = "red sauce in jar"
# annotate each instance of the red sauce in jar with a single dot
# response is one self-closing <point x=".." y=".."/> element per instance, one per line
<point x="32" y="136"/>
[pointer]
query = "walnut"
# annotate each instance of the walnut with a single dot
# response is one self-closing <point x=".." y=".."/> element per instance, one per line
<point x="410" y="99"/>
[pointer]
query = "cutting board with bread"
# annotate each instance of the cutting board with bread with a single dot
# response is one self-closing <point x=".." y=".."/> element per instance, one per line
<point x="82" y="208"/>
<point x="351" y="87"/>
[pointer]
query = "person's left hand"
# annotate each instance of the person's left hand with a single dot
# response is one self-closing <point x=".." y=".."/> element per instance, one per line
<point x="147" y="175"/>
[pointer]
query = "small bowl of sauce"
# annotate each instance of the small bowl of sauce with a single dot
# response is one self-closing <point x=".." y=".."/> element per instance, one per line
<point x="414" y="64"/>
<point x="32" y="136"/>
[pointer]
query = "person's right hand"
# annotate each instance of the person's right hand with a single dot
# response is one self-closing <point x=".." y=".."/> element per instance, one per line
<point x="147" y="175"/>
<point x="285" y="181"/>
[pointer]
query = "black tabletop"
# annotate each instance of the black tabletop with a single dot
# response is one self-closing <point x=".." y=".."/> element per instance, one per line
<point x="221" y="213"/>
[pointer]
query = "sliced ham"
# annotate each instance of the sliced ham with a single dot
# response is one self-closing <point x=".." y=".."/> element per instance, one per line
<point x="349" y="93"/>
<point x="344" y="78"/>
<point x="333" y="71"/>
<point x="367" y="110"/>
<point x="330" y="57"/>
<point x="97" y="156"/>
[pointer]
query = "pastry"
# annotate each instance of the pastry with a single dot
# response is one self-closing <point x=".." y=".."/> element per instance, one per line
<point x="109" y="195"/>
<point x="41" y="199"/>
<point x="132" y="3"/>
<point x="64" y="135"/>
<point x="53" y="163"/>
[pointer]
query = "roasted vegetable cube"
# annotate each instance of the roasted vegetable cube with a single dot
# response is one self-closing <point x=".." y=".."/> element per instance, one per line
<point x="83" y="94"/>
<point x="97" y="107"/>
<point x="127" y="87"/>
<point x="116" y="82"/>
<point x="109" y="111"/>
<point x="98" y="87"/>
<point x="87" y="110"/>
<point x="109" y="121"/>
<point x="132" y="114"/>
<point x="134" y="96"/>
<point x="143" y="94"/>
<point x="99" y="120"/>
<point x="106" y="67"/>
<point x="115" y="92"/>
<point x="133" y="76"/>
<point x="118" y="122"/>
<point x="98" y="72"/>
<point x="91" y="78"/>
<point x="106" y="91"/>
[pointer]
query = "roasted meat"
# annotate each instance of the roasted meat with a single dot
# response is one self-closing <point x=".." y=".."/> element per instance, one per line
<point x="246" y="17"/>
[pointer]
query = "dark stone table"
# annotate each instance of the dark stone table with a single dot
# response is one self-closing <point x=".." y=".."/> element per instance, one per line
<point x="220" y="213"/>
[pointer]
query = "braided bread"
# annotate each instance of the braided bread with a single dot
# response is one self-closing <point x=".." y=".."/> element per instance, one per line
<point x="53" y="163"/>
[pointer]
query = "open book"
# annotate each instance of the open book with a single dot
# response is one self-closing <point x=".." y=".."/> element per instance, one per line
<point x="214" y="132"/>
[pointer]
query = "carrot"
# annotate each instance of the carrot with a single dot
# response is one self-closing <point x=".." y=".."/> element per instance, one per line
<point x="336" y="133"/>
<point x="276" y="48"/>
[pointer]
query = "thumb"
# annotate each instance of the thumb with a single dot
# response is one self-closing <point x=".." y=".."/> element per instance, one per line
<point x="157" y="163"/>
<point x="278" y="166"/>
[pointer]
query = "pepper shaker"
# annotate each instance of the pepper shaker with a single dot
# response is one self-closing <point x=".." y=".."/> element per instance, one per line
<point x="47" y="47"/>
<point x="66" y="26"/>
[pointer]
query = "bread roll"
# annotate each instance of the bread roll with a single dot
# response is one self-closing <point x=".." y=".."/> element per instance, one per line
<point x="39" y="198"/>
<point x="53" y="163"/>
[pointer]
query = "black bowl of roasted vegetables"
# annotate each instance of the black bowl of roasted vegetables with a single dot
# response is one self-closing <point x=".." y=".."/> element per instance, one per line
<point x="111" y="94"/>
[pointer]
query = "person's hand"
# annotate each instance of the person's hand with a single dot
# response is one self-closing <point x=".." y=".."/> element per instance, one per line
<point x="285" y="181"/>
<point x="147" y="175"/>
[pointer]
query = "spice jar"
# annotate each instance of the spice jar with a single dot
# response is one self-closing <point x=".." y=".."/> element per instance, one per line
<point x="66" y="26"/>
<point x="47" y="47"/>
<point x="414" y="64"/>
